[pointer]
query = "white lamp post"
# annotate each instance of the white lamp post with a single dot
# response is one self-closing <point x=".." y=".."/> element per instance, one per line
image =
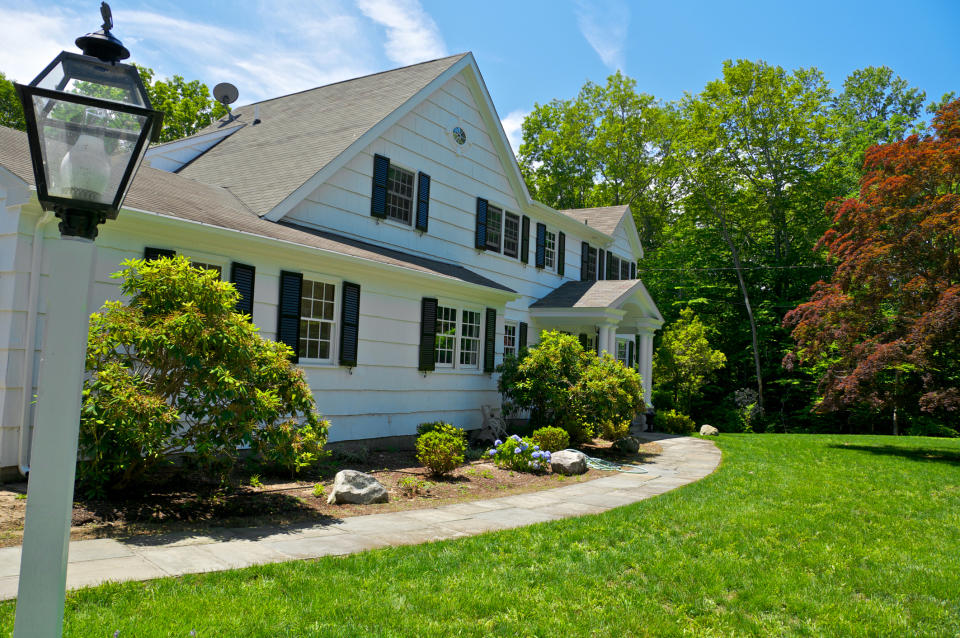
<point x="89" y="121"/>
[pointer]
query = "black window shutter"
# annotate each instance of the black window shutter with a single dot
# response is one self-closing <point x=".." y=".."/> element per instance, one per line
<point x="584" y="340"/>
<point x="490" y="340"/>
<point x="561" y="253"/>
<point x="423" y="201"/>
<point x="592" y="265"/>
<point x="584" y="259"/>
<point x="633" y="270"/>
<point x="349" y="324"/>
<point x="525" y="240"/>
<point x="378" y="198"/>
<point x="541" y="254"/>
<point x="601" y="264"/>
<point x="428" y="333"/>
<point x="522" y="337"/>
<point x="481" y="236"/>
<point x="636" y="344"/>
<point x="630" y="350"/>
<point x="243" y="277"/>
<point x="157" y="253"/>
<point x="288" y="316"/>
<point x="613" y="270"/>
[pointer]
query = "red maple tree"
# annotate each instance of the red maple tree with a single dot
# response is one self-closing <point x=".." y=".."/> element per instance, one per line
<point x="884" y="332"/>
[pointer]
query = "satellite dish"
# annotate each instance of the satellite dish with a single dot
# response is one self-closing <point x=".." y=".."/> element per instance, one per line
<point x="225" y="93"/>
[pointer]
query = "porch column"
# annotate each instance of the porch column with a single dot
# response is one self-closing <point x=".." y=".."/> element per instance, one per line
<point x="608" y="336"/>
<point x="646" y="365"/>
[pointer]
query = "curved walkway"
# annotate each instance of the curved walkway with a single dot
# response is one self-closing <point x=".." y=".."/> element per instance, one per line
<point x="684" y="460"/>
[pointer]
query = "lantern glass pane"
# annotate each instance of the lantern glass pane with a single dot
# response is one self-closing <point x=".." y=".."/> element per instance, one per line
<point x="118" y="83"/>
<point x="85" y="150"/>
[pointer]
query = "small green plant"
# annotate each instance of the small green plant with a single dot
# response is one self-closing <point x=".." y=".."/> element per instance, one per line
<point x="441" y="426"/>
<point x="613" y="430"/>
<point x="673" y="422"/>
<point x="21" y="497"/>
<point x="551" y="439"/>
<point x="255" y="481"/>
<point x="319" y="491"/>
<point x="521" y="455"/>
<point x="441" y="450"/>
<point x="411" y="486"/>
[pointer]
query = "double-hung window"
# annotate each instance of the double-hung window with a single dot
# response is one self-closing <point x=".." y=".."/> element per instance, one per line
<point x="199" y="265"/>
<point x="511" y="235"/>
<point x="622" y="351"/>
<point x="399" y="194"/>
<point x="509" y="338"/>
<point x="470" y="339"/>
<point x="317" y="306"/>
<point x="446" y="336"/>
<point x="457" y="342"/>
<point x="550" y="250"/>
<point x="494" y="227"/>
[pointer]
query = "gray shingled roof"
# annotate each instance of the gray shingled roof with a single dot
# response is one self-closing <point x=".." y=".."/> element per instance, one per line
<point x="587" y="294"/>
<point x="605" y="218"/>
<point x="301" y="133"/>
<point x="165" y="193"/>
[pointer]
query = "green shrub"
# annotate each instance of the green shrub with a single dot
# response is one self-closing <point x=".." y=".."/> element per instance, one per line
<point x="441" y="426"/>
<point x="614" y="430"/>
<point x="673" y="422"/>
<point x="319" y="491"/>
<point x="441" y="451"/>
<point x="175" y="371"/>
<point x="564" y="386"/>
<point x="551" y="439"/>
<point x="522" y="455"/>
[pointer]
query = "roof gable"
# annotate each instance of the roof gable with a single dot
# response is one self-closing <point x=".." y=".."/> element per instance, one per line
<point x="299" y="135"/>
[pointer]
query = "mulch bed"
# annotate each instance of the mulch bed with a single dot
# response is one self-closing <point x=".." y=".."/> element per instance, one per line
<point x="172" y="501"/>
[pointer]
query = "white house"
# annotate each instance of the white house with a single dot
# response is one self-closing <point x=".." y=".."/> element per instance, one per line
<point x="380" y="226"/>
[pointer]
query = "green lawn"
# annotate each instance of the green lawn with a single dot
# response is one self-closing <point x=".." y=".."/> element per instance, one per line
<point x="793" y="535"/>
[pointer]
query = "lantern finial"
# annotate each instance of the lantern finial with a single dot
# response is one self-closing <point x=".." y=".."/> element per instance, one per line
<point x="102" y="44"/>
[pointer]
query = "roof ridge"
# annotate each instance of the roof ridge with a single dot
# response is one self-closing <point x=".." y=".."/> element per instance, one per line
<point x="353" y="79"/>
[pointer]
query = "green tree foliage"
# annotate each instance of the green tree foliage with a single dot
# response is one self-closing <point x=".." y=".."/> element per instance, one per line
<point x="730" y="197"/>
<point x="884" y="332"/>
<point x="564" y="386"/>
<point x="685" y="360"/>
<point x="175" y="371"/>
<point x="187" y="106"/>
<point x="11" y="111"/>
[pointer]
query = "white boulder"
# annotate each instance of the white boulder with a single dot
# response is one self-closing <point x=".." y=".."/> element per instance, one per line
<point x="708" y="430"/>
<point x="568" y="462"/>
<point x="351" y="486"/>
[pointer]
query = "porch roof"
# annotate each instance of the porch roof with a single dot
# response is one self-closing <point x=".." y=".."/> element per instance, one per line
<point x="599" y="301"/>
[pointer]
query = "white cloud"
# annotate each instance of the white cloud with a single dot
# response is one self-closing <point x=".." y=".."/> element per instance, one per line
<point x="604" y="24"/>
<point x="32" y="39"/>
<point x="412" y="35"/>
<point x="513" y="127"/>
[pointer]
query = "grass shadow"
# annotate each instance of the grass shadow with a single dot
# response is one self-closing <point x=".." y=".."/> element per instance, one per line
<point x="927" y="454"/>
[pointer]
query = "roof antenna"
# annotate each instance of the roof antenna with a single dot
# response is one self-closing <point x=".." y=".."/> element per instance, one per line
<point x="256" y="114"/>
<point x="226" y="94"/>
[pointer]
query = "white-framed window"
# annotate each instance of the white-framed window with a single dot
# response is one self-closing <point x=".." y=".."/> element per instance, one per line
<point x="511" y="235"/>
<point x="550" y="250"/>
<point x="199" y="265"/>
<point x="494" y="227"/>
<point x="318" y="302"/>
<point x="509" y="338"/>
<point x="446" y="344"/>
<point x="470" y="339"/>
<point x="622" y="351"/>
<point x="399" y="194"/>
<point x="458" y="342"/>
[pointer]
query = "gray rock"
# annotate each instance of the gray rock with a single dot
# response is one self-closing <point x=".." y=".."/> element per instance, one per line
<point x="627" y="445"/>
<point x="568" y="462"/>
<point x="708" y="430"/>
<point x="351" y="486"/>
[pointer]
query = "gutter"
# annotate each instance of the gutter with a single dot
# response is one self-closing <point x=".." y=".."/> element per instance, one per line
<point x="30" y="343"/>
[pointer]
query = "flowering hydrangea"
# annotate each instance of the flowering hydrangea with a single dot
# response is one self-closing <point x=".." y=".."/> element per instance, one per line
<point x="520" y="454"/>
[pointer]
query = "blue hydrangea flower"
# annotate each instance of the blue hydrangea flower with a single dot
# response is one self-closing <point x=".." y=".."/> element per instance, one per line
<point x="535" y="455"/>
<point x="493" y="452"/>
<point x="516" y="450"/>
<point x="515" y="437"/>
<point x="536" y="447"/>
<point x="498" y="442"/>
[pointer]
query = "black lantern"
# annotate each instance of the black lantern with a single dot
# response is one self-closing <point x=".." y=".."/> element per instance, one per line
<point x="89" y="122"/>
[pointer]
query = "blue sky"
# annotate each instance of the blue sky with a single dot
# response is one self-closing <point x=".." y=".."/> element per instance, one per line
<point x="529" y="51"/>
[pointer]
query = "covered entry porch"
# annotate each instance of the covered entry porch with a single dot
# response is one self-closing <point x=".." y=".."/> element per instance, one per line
<point x="614" y="316"/>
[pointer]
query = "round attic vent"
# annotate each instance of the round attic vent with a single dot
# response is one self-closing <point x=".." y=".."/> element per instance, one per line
<point x="459" y="135"/>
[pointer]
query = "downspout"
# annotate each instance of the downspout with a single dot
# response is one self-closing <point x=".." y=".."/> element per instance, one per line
<point x="30" y="342"/>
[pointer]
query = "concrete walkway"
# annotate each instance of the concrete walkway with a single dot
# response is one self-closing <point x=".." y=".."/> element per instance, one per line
<point x="684" y="460"/>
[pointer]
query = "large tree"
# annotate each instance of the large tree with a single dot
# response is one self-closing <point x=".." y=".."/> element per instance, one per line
<point x="884" y="331"/>
<point x="11" y="111"/>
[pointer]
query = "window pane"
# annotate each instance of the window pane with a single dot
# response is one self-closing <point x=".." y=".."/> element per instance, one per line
<point x="511" y="234"/>
<point x="316" y="319"/>
<point x="470" y="339"/>
<point x="494" y="224"/>
<point x="550" y="250"/>
<point x="399" y="194"/>
<point x="446" y="335"/>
